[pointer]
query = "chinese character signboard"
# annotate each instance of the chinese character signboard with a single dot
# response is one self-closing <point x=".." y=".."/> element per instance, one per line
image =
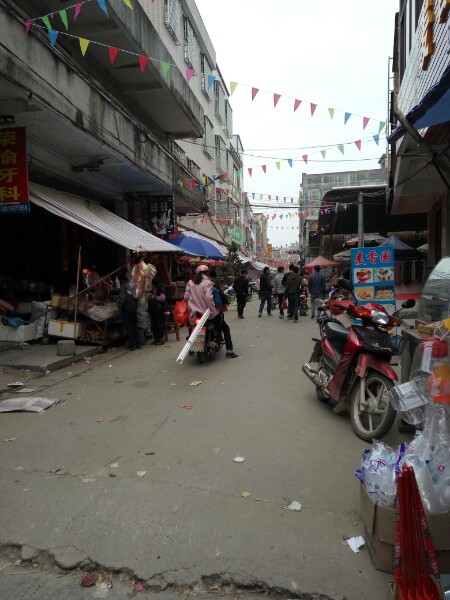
<point x="13" y="171"/>
<point x="236" y="234"/>
<point x="373" y="275"/>
<point x="154" y="214"/>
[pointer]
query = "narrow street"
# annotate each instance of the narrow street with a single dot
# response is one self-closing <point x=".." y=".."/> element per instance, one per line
<point x="71" y="486"/>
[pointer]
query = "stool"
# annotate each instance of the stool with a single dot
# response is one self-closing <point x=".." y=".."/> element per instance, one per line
<point x="170" y="326"/>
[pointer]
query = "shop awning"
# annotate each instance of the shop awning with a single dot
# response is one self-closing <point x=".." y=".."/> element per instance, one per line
<point x="94" y="217"/>
<point x="190" y="233"/>
<point x="433" y="109"/>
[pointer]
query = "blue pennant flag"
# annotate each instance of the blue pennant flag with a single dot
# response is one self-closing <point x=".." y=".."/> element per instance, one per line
<point x="376" y="139"/>
<point x="211" y="80"/>
<point x="102" y="5"/>
<point x="347" y="117"/>
<point x="53" y="35"/>
<point x="290" y="162"/>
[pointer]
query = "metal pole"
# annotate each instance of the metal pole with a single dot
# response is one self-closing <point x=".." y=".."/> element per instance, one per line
<point x="360" y="220"/>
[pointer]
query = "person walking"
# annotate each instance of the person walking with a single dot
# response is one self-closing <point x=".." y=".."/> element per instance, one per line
<point x="156" y="301"/>
<point x="265" y="292"/>
<point x="317" y="287"/>
<point x="280" y="289"/>
<point x="128" y="306"/>
<point x="292" y="291"/>
<point x="241" y="285"/>
<point x="284" y="282"/>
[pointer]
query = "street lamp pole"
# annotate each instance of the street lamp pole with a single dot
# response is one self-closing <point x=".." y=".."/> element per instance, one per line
<point x="360" y="220"/>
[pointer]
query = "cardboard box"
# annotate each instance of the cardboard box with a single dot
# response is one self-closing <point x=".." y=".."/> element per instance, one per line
<point x="379" y="529"/>
<point x="65" y="329"/>
<point x="23" y="333"/>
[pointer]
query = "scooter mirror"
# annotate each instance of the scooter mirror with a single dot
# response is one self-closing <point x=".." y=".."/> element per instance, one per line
<point x="409" y="303"/>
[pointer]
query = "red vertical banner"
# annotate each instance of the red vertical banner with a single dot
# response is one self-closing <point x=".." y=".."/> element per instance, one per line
<point x="13" y="171"/>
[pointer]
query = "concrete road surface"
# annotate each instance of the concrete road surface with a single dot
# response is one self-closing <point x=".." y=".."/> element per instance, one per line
<point x="123" y="474"/>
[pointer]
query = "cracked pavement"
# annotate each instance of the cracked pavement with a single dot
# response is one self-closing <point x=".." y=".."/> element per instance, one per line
<point x="185" y="518"/>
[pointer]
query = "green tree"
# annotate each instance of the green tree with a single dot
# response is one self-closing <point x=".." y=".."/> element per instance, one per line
<point x="232" y="266"/>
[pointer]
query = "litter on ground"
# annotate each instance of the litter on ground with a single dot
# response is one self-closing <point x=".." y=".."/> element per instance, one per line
<point x="295" y="505"/>
<point x="355" y="543"/>
<point x="27" y="404"/>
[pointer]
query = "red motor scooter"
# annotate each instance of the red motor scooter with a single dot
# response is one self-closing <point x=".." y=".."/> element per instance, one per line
<point x="353" y="365"/>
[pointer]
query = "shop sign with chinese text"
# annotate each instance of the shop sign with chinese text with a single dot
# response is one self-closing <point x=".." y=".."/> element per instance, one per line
<point x="373" y="274"/>
<point x="13" y="171"/>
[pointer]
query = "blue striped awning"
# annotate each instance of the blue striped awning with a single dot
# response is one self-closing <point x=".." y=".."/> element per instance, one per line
<point x="433" y="109"/>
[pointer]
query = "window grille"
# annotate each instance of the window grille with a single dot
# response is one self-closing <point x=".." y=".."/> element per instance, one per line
<point x="206" y="71"/>
<point x="193" y="167"/>
<point x="177" y="151"/>
<point x="208" y="138"/>
<point x="172" y="19"/>
<point x="191" y="49"/>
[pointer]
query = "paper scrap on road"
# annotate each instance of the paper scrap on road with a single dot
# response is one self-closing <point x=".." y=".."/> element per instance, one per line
<point x="100" y="420"/>
<point x="25" y="391"/>
<point x="196" y="383"/>
<point x="141" y="473"/>
<point x="114" y="465"/>
<point x="27" y="404"/>
<point x="9" y="439"/>
<point x="239" y="459"/>
<point x="88" y="479"/>
<point x="355" y="543"/>
<point x="245" y="494"/>
<point x="172" y="384"/>
<point x="295" y="505"/>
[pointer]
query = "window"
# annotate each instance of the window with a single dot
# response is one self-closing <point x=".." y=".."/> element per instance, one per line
<point x="206" y="71"/>
<point x="193" y="167"/>
<point x="208" y="138"/>
<point x="219" y="95"/>
<point x="220" y="153"/>
<point x="191" y="50"/>
<point x="228" y="126"/>
<point x="177" y="151"/>
<point x="172" y="19"/>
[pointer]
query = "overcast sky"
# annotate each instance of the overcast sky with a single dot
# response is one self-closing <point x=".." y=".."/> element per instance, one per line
<point x="332" y="53"/>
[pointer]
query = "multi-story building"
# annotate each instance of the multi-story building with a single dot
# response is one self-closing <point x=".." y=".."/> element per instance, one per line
<point x="259" y="228"/>
<point x="420" y="172"/>
<point x="104" y="100"/>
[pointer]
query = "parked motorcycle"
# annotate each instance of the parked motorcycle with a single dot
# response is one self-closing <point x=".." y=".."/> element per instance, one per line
<point x="353" y="364"/>
<point x="207" y="343"/>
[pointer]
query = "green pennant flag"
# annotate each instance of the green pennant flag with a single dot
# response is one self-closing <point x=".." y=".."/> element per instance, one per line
<point x="323" y="153"/>
<point x="63" y="15"/>
<point x="341" y="148"/>
<point x="46" y="22"/>
<point x="382" y="126"/>
<point x="165" y="68"/>
<point x="331" y="111"/>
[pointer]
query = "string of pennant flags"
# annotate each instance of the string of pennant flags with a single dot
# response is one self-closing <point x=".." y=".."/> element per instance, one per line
<point x="143" y="61"/>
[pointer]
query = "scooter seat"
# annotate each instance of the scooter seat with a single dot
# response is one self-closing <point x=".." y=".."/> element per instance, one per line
<point x="336" y="332"/>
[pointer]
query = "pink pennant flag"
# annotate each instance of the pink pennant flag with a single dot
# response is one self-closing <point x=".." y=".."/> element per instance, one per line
<point x="143" y="60"/>
<point x="264" y="167"/>
<point x="270" y="197"/>
<point x="358" y="144"/>
<point x="254" y="92"/>
<point x="27" y="27"/>
<point x="365" y="122"/>
<point x="305" y="158"/>
<point x="284" y="198"/>
<point x="297" y="104"/>
<point x="189" y="74"/>
<point x="250" y="171"/>
<point x="78" y="6"/>
<point x="113" y="52"/>
<point x="313" y="108"/>
<point x="276" y="198"/>
<point x="276" y="97"/>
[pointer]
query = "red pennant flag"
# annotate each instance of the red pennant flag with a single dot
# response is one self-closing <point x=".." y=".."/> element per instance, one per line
<point x="184" y="181"/>
<point x="358" y="144"/>
<point x="113" y="52"/>
<point x="276" y="97"/>
<point x="305" y="158"/>
<point x="276" y="198"/>
<point x="313" y="108"/>
<point x="297" y="104"/>
<point x="254" y="92"/>
<point x="264" y="167"/>
<point x="250" y="171"/>
<point x="365" y="122"/>
<point x="143" y="60"/>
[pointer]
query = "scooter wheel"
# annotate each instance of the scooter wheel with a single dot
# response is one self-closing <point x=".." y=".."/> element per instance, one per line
<point x="201" y="357"/>
<point x="372" y="416"/>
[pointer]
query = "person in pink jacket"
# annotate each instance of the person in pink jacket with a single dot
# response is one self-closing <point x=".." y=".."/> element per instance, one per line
<point x="199" y="295"/>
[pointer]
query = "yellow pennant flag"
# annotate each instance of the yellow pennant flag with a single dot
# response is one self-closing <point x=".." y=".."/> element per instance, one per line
<point x="128" y="3"/>
<point x="278" y="164"/>
<point x="331" y="111"/>
<point x="233" y="86"/>
<point x="84" y="45"/>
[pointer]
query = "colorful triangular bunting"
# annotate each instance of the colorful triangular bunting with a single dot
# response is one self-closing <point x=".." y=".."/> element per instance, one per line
<point x="323" y="153"/>
<point x="382" y="126"/>
<point x="78" y="6"/>
<point x="83" y="45"/>
<point x="102" y="5"/>
<point x="365" y="122"/>
<point x="165" y="68"/>
<point x="297" y="104"/>
<point x="341" y="148"/>
<point x="347" y="117"/>
<point x="46" y="22"/>
<point x="358" y="144"/>
<point x="27" y="27"/>
<point x="254" y="92"/>
<point x="305" y="158"/>
<point x="233" y="86"/>
<point x="276" y="97"/>
<point x="189" y="74"/>
<point x="128" y="3"/>
<point x="63" y="15"/>
<point x="113" y="52"/>
<point x="290" y="162"/>
<point x="211" y="80"/>
<point x="376" y="139"/>
<point x="264" y="168"/>
<point x="143" y="60"/>
<point x="277" y="164"/>
<point x="53" y="36"/>
<point x="313" y="108"/>
<point x="250" y="171"/>
<point x="331" y="111"/>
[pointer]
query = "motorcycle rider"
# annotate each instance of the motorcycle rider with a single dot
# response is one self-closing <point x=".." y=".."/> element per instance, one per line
<point x="219" y="322"/>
